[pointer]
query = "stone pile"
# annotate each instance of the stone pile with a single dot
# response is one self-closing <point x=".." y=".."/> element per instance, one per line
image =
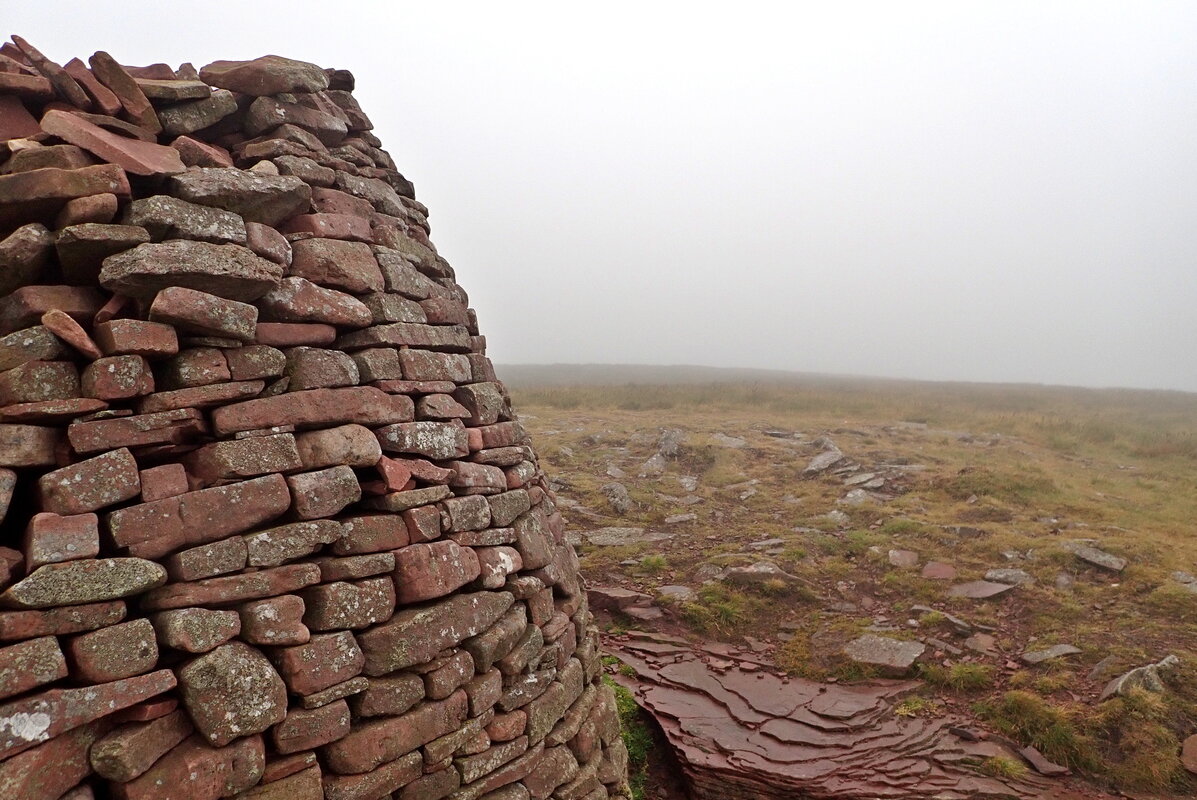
<point x="270" y="527"/>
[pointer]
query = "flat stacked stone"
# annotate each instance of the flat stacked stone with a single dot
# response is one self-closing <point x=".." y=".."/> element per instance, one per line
<point x="274" y="530"/>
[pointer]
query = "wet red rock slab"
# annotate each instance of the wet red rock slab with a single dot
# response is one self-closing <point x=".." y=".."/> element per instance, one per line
<point x="740" y="729"/>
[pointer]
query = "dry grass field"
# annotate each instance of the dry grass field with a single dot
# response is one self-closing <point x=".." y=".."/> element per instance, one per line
<point x="976" y="477"/>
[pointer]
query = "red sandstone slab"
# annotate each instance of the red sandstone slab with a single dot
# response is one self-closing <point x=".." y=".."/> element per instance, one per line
<point x="51" y="411"/>
<point x="133" y="155"/>
<point x="53" y="768"/>
<point x="15" y="120"/>
<point x="105" y="101"/>
<point x="167" y="427"/>
<point x="233" y="588"/>
<point x="124" y="86"/>
<point x="59" y="710"/>
<point x="152" y="530"/>
<point x="199" y="396"/>
<point x="295" y="334"/>
<point x="15" y="625"/>
<point x="314" y="408"/>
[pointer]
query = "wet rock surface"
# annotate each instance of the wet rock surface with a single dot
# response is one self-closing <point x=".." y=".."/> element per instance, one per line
<point x="738" y="728"/>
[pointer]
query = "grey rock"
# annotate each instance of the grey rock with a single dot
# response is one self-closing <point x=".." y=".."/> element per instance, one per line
<point x="1014" y="577"/>
<point x="617" y="537"/>
<point x="1049" y="653"/>
<point x="72" y="583"/>
<point x="182" y="118"/>
<point x="823" y="462"/>
<point x="24" y="254"/>
<point x="979" y="590"/>
<point x="1096" y="557"/>
<point x="734" y="442"/>
<point x="677" y="594"/>
<point x="670" y="443"/>
<point x="759" y="573"/>
<point x="166" y="217"/>
<point x="894" y="655"/>
<point x="1145" y="677"/>
<point x="653" y="467"/>
<point x="227" y="270"/>
<point x="268" y="199"/>
<point x="231" y="692"/>
<point x="617" y="497"/>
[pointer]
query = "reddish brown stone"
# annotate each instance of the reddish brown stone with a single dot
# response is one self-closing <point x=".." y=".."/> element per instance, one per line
<point x="380" y="741"/>
<point x="221" y="462"/>
<point x="105" y="101"/>
<point x="51" y="769"/>
<point x="435" y="440"/>
<point x="324" y="492"/>
<point x="39" y="194"/>
<point x="168" y="480"/>
<point x="194" y="770"/>
<point x="66" y="328"/>
<point x="97" y="208"/>
<point x="371" y="534"/>
<point x="423" y="524"/>
<point x="195" y="366"/>
<point x="51" y="411"/>
<point x="331" y="226"/>
<point x="452" y="338"/>
<point x="201" y="154"/>
<point x="304" y="729"/>
<point x="136" y="337"/>
<point x="131" y="749"/>
<point x="354" y="567"/>
<point x="315" y="408"/>
<point x="267" y="75"/>
<point x="343" y="605"/>
<point x="199" y="396"/>
<point x="90" y="485"/>
<point x="59" y="710"/>
<point x="30" y="664"/>
<point x="118" y="378"/>
<point x="38" y="381"/>
<point x="505" y="727"/>
<point x="224" y="270"/>
<point x="167" y="427"/>
<point x="318" y="368"/>
<point x="25" y="306"/>
<point x="116" y="78"/>
<point x="63" y="83"/>
<point x="427" y="571"/>
<point x="295" y="334"/>
<point x="415" y="636"/>
<point x="132" y="155"/>
<point x="204" y="314"/>
<point x="209" y="560"/>
<point x="109" y="654"/>
<point x="275" y="621"/>
<point x="268" y="243"/>
<point x="198" y="517"/>
<point x="231" y="692"/>
<point x="297" y="299"/>
<point x="195" y="630"/>
<point x="349" y="266"/>
<point x="440" y="407"/>
<point x="328" y="659"/>
<point x="15" y="120"/>
<point x="51" y="538"/>
<point x="16" y="625"/>
<point x="284" y="766"/>
<point x="233" y="588"/>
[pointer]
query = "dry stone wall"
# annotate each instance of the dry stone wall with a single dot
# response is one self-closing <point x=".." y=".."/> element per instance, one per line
<point x="270" y="527"/>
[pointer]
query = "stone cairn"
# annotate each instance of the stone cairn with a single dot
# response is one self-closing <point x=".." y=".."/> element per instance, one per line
<point x="271" y="529"/>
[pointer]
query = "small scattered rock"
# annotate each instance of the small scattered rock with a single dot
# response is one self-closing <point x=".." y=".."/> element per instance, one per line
<point x="1145" y="677"/>
<point x="939" y="571"/>
<point x="979" y="590"/>
<point x="890" y="654"/>
<point x="617" y="497"/>
<point x="1033" y="657"/>
<point x="1096" y="557"/>
<point x="906" y="559"/>
<point x="1013" y="577"/>
<point x="616" y="537"/>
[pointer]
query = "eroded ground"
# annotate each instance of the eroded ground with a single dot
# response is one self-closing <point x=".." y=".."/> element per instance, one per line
<point x="1015" y="548"/>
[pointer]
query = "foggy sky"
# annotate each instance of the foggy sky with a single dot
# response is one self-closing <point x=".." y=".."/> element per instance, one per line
<point x="1000" y="191"/>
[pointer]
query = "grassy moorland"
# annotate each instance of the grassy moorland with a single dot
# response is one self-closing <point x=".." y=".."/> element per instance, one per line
<point x="978" y="477"/>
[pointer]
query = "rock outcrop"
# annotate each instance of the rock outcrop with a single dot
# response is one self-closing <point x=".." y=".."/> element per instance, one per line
<point x="270" y="528"/>
<point x="739" y="728"/>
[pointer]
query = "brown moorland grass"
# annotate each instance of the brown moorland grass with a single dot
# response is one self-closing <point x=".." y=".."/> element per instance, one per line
<point x="978" y="476"/>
